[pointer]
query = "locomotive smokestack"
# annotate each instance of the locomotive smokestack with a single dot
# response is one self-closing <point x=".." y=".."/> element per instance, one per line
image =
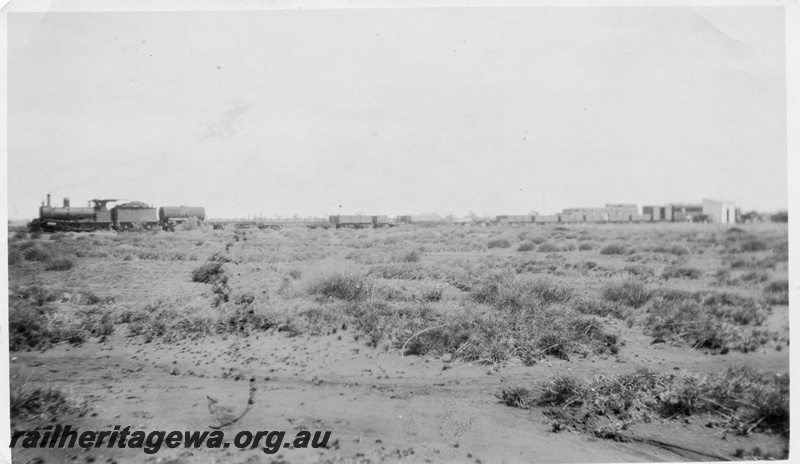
<point x="48" y="200"/>
<point x="66" y="202"/>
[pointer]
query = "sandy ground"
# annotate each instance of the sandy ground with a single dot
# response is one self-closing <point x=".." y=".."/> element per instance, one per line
<point x="380" y="406"/>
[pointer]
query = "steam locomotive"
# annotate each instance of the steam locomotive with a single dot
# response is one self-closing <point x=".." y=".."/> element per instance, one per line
<point x="97" y="216"/>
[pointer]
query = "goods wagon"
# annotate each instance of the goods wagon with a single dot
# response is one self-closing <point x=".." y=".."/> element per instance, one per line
<point x="596" y="217"/>
<point x="351" y="221"/>
<point x="514" y="219"/>
<point x="380" y="221"/>
<point x="170" y="216"/>
<point x="546" y="219"/>
<point x="278" y="225"/>
<point x="423" y="219"/>
<point x="181" y="213"/>
<point x="619" y="217"/>
<point x="571" y="217"/>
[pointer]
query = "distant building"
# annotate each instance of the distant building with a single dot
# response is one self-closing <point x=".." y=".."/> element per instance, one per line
<point x="682" y="212"/>
<point x="624" y="212"/>
<point x="720" y="212"/>
<point x="674" y="212"/>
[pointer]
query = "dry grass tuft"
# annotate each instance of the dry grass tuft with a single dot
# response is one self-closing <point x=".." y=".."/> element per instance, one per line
<point x="45" y="403"/>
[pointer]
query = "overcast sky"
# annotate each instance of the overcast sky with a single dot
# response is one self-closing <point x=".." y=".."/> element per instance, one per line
<point x="398" y="111"/>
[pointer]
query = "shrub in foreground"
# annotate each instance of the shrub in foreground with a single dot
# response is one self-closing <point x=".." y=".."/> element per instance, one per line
<point x="629" y="292"/>
<point x="33" y="326"/>
<point x="746" y="398"/>
<point x="46" y="403"/>
<point x="338" y="285"/>
<point x="709" y="320"/>
<point x="521" y="292"/>
<point x="494" y="336"/>
<point x="598" y="308"/>
<point x="517" y="397"/>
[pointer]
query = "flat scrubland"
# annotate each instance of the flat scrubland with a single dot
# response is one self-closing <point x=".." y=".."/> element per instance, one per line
<point x="580" y="343"/>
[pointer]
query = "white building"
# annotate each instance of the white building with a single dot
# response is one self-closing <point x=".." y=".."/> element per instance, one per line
<point x="720" y="212"/>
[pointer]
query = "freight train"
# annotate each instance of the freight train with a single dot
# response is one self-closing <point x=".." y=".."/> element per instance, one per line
<point x="97" y="216"/>
<point x="128" y="216"/>
<point x="365" y="221"/>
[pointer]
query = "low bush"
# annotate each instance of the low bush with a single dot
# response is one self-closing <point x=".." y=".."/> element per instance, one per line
<point x="614" y="249"/>
<point x="676" y="250"/>
<point x="340" y="285"/>
<point x="169" y="322"/>
<point x="630" y="292"/>
<point x="517" y="316"/>
<point x="743" y="397"/>
<point x="77" y="326"/>
<point x="36" y="253"/>
<point x="499" y="243"/>
<point x="777" y="292"/>
<point x="756" y="277"/>
<point x="598" y="308"/>
<point x="295" y="274"/>
<point x="547" y="247"/>
<point x="724" y="277"/>
<point x="521" y="292"/>
<point x="14" y="256"/>
<point x="526" y="246"/>
<point x="32" y="326"/>
<point x="191" y="223"/>
<point x="60" y="264"/>
<point x="638" y="270"/>
<point x="781" y="252"/>
<point x="585" y="246"/>
<point x="412" y="256"/>
<point x="709" y="320"/>
<point x="562" y="389"/>
<point x="27" y="326"/>
<point x="45" y="403"/>
<point x="213" y="273"/>
<point x="754" y="245"/>
<point x="208" y="272"/>
<point x="680" y="272"/>
<point x="494" y="336"/>
<point x="517" y="397"/>
<point x="149" y="255"/>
